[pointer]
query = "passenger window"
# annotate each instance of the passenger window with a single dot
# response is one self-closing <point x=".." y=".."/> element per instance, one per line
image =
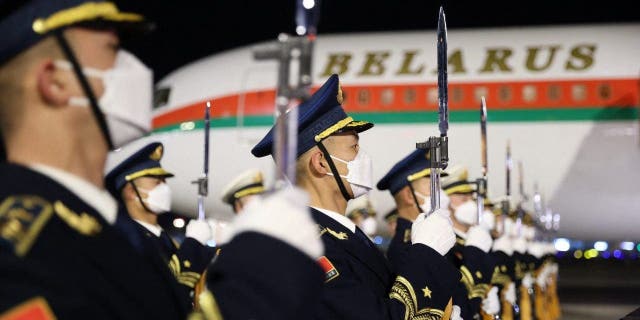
<point x="529" y="93"/>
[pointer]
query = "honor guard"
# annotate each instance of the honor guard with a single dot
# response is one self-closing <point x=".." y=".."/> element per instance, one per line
<point x="68" y="95"/>
<point x="391" y="218"/>
<point x="360" y="211"/>
<point x="243" y="189"/>
<point x="408" y="182"/>
<point x="139" y="183"/>
<point x="359" y="282"/>
<point x="473" y="242"/>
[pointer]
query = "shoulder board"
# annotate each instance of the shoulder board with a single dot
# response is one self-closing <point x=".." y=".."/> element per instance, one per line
<point x="33" y="309"/>
<point x="83" y="223"/>
<point x="337" y="235"/>
<point x="22" y="218"/>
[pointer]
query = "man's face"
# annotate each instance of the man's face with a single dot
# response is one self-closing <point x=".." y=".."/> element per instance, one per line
<point x="94" y="49"/>
<point x="239" y="204"/>
<point x="422" y="186"/>
<point x="345" y="147"/>
<point x="457" y="199"/>
<point x="146" y="184"/>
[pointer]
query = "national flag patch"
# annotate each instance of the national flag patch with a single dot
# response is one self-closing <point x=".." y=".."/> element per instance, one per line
<point x="34" y="309"/>
<point x="330" y="271"/>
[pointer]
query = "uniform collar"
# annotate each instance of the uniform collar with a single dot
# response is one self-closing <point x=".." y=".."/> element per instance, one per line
<point x="97" y="198"/>
<point x="460" y="234"/>
<point x="153" y="228"/>
<point x="346" y="222"/>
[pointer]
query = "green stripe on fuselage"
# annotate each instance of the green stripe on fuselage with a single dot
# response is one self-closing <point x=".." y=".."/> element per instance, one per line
<point x="524" y="115"/>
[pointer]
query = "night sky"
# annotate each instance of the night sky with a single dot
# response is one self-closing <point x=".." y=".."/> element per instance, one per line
<point x="189" y="29"/>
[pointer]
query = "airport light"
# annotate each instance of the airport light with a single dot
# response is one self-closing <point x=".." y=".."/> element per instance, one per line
<point x="562" y="244"/>
<point x="617" y="254"/>
<point x="308" y="4"/>
<point x="606" y="255"/>
<point x="601" y="245"/>
<point x="590" y="254"/>
<point x="178" y="223"/>
<point x="577" y="254"/>
<point x="627" y="245"/>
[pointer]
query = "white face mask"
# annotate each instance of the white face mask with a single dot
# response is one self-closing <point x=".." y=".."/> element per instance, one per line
<point x="369" y="226"/>
<point x="158" y="199"/>
<point x="467" y="213"/>
<point x="360" y="175"/>
<point x="426" y="204"/>
<point x="488" y="220"/>
<point x="127" y="98"/>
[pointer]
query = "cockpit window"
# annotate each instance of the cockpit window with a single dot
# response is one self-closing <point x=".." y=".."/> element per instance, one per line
<point x="161" y="97"/>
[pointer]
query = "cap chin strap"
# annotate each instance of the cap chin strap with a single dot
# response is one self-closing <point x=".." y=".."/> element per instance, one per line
<point x="415" y="199"/>
<point x="334" y="171"/>
<point x="84" y="83"/>
<point x="139" y="197"/>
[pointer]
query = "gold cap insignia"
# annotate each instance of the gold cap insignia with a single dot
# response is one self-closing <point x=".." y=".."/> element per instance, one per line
<point x="340" y="96"/>
<point x="157" y="154"/>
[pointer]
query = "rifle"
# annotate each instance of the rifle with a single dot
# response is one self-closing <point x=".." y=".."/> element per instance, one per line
<point x="291" y="51"/>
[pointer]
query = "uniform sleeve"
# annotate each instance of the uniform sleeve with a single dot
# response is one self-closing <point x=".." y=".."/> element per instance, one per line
<point x="421" y="290"/>
<point x="260" y="277"/>
<point x="400" y="243"/>
<point x="26" y="292"/>
<point x="476" y="270"/>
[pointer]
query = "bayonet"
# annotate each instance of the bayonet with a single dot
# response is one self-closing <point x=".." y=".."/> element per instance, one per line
<point x="203" y="180"/>
<point x="481" y="183"/>
<point x="438" y="146"/>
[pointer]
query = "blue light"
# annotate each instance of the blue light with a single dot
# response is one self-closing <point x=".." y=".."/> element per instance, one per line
<point x="211" y="243"/>
<point x="617" y="254"/>
<point x="377" y="240"/>
<point x="606" y="255"/>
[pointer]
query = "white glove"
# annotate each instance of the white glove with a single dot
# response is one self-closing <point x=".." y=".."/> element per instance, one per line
<point x="553" y="268"/>
<point x="536" y="249"/>
<point x="520" y="245"/>
<point x="503" y="243"/>
<point x="479" y="237"/>
<point x="467" y="213"/>
<point x="488" y="220"/>
<point x="199" y="230"/>
<point x="510" y="294"/>
<point x="527" y="281"/>
<point x="491" y="304"/>
<point x="543" y="275"/>
<point x="283" y="215"/>
<point x="550" y="249"/>
<point x="434" y="231"/>
<point x="455" y="313"/>
<point x="529" y="232"/>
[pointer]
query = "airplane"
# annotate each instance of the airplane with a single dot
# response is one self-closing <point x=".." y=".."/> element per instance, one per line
<point x="566" y="97"/>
